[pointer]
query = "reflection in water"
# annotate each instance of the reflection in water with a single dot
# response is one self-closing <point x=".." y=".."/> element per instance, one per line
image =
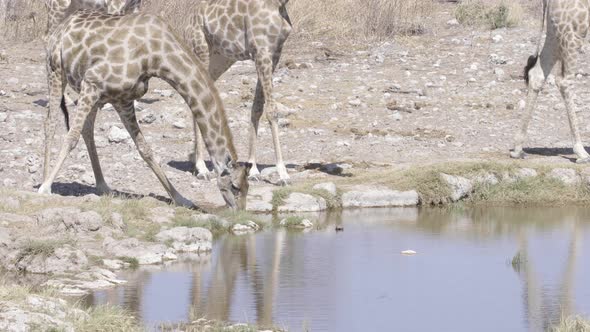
<point x="356" y="280"/>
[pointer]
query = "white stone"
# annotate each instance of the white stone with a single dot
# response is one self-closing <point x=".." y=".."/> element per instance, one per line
<point x="259" y="199"/>
<point x="408" y="252"/>
<point x="246" y="228"/>
<point x="567" y="176"/>
<point x="298" y="202"/>
<point x="302" y="224"/>
<point x="186" y="239"/>
<point x="368" y="197"/>
<point x="460" y="186"/>
<point x="118" y="135"/>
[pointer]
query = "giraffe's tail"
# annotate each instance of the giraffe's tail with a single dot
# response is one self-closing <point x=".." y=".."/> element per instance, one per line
<point x="532" y="61"/>
<point x="64" y="110"/>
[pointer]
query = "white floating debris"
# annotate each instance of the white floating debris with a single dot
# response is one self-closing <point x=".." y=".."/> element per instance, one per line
<point x="408" y="252"/>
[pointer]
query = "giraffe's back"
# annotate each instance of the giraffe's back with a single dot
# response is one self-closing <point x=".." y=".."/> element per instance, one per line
<point x="231" y="24"/>
<point x="119" y="53"/>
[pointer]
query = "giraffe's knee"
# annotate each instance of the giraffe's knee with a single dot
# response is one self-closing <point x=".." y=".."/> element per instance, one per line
<point x="271" y="112"/>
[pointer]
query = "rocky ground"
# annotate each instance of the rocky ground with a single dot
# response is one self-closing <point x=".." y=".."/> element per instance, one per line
<point x="348" y="116"/>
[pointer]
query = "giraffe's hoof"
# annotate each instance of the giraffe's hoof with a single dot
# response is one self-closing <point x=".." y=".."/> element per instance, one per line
<point x="517" y="154"/>
<point x="583" y="160"/>
<point x="44" y="190"/>
<point x="103" y="190"/>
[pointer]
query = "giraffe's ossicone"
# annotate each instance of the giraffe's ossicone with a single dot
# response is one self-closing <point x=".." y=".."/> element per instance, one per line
<point x="110" y="59"/>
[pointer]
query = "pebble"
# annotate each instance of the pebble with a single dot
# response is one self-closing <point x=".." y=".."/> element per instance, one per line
<point x="408" y="252"/>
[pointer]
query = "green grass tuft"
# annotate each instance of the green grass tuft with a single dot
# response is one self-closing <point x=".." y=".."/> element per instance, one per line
<point x="107" y="318"/>
<point x="132" y="261"/>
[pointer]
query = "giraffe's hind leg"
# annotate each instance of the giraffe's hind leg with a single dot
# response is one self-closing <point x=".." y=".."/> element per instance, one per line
<point x="567" y="89"/>
<point x="88" y="134"/>
<point x="537" y="78"/>
<point x="56" y="93"/>
<point x="87" y="103"/>
<point x="127" y="114"/>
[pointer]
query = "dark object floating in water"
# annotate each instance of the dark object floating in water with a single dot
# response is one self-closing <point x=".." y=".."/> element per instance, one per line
<point x="339" y="229"/>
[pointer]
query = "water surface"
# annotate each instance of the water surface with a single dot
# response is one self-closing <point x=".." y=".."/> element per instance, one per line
<point x="357" y="280"/>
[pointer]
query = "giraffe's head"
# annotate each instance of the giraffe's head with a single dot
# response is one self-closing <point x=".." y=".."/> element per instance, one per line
<point x="233" y="184"/>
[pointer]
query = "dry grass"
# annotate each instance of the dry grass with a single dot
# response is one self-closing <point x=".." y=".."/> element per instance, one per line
<point x="494" y="14"/>
<point x="572" y="324"/>
<point x="108" y="318"/>
<point x="22" y="20"/>
<point x="359" y="19"/>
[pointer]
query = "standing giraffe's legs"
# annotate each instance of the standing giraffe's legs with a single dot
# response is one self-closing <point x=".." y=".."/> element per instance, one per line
<point x="218" y="65"/>
<point x="264" y="102"/>
<point x="127" y="114"/>
<point x="201" y="50"/>
<point x="88" y="135"/>
<point x="56" y="90"/>
<point x="87" y="102"/>
<point x="566" y="87"/>
<point x="537" y="77"/>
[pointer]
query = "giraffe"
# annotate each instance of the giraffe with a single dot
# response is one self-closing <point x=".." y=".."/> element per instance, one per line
<point x="58" y="10"/>
<point x="222" y="32"/>
<point x="567" y="25"/>
<point x="110" y="59"/>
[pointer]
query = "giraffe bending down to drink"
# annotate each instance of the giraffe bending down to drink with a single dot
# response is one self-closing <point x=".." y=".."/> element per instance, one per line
<point x="225" y="31"/>
<point x="567" y="26"/>
<point x="110" y="59"/>
<point x="59" y="10"/>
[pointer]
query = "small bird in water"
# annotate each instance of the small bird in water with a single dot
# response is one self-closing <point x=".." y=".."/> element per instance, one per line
<point x="339" y="229"/>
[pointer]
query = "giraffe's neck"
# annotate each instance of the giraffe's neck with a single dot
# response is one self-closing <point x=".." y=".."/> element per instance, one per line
<point x="189" y="79"/>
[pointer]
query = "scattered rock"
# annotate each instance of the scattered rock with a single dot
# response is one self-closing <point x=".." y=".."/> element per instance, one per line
<point x="460" y="186"/>
<point x="487" y="179"/>
<point x="245" y="228"/>
<point x="300" y="223"/>
<point x="63" y="259"/>
<point x="567" y="176"/>
<point x="70" y="219"/>
<point x="298" y="202"/>
<point x="327" y="186"/>
<point x="186" y="239"/>
<point x="85" y="282"/>
<point x="259" y="199"/>
<point x="162" y="214"/>
<point x="118" y="135"/>
<point x="369" y="197"/>
<point x="144" y="253"/>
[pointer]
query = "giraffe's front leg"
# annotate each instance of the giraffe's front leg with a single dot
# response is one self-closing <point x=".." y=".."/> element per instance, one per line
<point x="197" y="158"/>
<point x="264" y="68"/>
<point x="257" y="110"/>
<point x="127" y="115"/>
